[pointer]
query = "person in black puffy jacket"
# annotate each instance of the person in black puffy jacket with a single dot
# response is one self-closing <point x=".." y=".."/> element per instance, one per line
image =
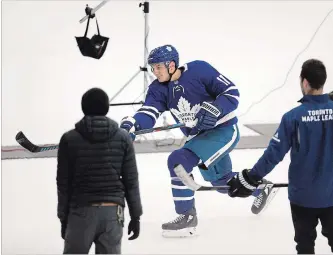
<point x="96" y="173"/>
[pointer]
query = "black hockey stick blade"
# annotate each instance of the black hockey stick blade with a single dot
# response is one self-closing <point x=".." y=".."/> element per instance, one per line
<point x="25" y="143"/>
<point x="261" y="186"/>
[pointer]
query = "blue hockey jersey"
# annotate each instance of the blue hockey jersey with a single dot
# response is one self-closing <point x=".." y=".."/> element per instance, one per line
<point x="308" y="131"/>
<point x="198" y="82"/>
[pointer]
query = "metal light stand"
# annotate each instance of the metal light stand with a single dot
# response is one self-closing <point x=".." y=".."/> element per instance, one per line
<point x="144" y="69"/>
<point x="94" y="10"/>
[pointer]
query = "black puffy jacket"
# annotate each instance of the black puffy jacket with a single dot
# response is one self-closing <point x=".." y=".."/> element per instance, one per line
<point x="96" y="163"/>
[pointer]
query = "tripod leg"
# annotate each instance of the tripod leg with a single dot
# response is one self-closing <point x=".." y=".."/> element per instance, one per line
<point x="126" y="84"/>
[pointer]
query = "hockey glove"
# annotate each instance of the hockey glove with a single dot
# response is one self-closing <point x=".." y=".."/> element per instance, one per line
<point x="128" y="123"/>
<point x="206" y="118"/>
<point x="134" y="226"/>
<point x="242" y="185"/>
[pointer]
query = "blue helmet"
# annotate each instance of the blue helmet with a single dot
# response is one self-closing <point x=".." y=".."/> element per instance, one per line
<point x="164" y="54"/>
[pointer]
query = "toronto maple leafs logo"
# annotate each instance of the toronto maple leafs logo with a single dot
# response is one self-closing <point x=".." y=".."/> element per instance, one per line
<point x="185" y="114"/>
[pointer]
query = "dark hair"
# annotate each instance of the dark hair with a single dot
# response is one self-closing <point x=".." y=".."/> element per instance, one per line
<point x="314" y="72"/>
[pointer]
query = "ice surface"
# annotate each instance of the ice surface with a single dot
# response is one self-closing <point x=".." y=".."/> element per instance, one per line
<point x="30" y="224"/>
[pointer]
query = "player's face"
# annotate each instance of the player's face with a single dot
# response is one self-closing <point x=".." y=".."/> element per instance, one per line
<point x="160" y="71"/>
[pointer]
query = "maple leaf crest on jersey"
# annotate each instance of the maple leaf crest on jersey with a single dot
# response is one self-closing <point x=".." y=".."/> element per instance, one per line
<point x="185" y="113"/>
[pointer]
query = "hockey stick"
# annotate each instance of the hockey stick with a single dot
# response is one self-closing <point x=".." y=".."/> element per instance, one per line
<point x="191" y="184"/>
<point x="27" y="144"/>
<point x="261" y="186"/>
<point x="157" y="129"/>
<point x="121" y="104"/>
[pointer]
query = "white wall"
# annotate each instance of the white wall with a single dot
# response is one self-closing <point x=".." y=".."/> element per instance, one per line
<point x="254" y="43"/>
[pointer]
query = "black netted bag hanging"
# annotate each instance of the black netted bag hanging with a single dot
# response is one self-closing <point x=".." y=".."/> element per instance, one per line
<point x="94" y="47"/>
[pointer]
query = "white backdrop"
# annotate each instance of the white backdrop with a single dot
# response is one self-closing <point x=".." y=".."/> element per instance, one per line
<point x="254" y="43"/>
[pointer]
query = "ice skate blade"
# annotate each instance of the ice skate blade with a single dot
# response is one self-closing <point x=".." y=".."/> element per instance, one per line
<point x="181" y="233"/>
<point x="269" y="199"/>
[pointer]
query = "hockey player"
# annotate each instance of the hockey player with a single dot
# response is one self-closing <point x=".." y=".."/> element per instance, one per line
<point x="308" y="131"/>
<point x="204" y="100"/>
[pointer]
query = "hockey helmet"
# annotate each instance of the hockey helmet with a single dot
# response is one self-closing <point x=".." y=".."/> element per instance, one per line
<point x="164" y="54"/>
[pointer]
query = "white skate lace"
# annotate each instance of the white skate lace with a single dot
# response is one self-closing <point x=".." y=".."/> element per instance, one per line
<point x="178" y="219"/>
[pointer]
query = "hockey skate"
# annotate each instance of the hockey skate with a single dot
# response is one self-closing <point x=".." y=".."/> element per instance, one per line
<point x="183" y="226"/>
<point x="261" y="202"/>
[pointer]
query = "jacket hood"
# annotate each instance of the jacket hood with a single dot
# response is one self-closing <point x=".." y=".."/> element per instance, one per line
<point x="97" y="128"/>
